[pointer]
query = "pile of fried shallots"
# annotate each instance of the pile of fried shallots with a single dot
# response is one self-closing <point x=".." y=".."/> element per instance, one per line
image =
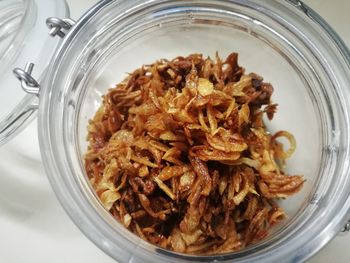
<point x="179" y="154"/>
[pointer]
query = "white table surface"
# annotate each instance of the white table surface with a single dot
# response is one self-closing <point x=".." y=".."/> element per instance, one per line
<point x="35" y="228"/>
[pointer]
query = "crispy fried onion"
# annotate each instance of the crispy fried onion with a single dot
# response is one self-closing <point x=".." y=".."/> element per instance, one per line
<point x="179" y="154"/>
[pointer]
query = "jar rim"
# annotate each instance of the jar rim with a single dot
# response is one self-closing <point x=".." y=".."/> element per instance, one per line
<point x="12" y="10"/>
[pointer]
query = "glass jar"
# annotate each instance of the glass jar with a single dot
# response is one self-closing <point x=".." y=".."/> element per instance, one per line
<point x="284" y="41"/>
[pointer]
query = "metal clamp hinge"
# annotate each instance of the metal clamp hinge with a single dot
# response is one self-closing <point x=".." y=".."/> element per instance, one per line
<point x="28" y="83"/>
<point x="346" y="228"/>
<point x="59" y="26"/>
<point x="299" y="4"/>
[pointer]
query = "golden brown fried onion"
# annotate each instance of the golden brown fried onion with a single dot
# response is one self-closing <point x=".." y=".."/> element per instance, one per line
<point x="179" y="154"/>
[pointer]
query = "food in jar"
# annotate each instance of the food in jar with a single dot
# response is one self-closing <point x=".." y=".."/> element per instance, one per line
<point x="179" y="153"/>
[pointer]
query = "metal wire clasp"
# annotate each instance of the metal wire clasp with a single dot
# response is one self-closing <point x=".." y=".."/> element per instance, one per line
<point x="28" y="83"/>
<point x="346" y="228"/>
<point x="59" y="26"/>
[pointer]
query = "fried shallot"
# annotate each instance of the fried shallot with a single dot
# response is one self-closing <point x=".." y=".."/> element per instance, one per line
<point x="180" y="155"/>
